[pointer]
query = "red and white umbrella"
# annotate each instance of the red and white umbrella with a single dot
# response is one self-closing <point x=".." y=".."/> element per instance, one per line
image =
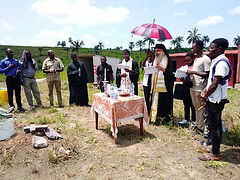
<point x="152" y="30"/>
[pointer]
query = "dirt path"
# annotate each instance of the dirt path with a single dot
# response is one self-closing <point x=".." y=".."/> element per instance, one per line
<point x="162" y="153"/>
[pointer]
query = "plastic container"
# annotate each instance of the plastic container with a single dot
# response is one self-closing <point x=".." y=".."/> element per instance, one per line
<point x="132" y="90"/>
<point x="6" y="128"/>
<point x="3" y="95"/>
<point x="112" y="91"/>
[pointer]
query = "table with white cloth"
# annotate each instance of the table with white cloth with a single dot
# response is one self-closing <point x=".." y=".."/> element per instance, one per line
<point x="119" y="110"/>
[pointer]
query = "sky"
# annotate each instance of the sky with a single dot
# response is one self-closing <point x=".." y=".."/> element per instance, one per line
<point x="45" y="22"/>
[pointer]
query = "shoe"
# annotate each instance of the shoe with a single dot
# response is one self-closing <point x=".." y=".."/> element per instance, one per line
<point x="209" y="157"/>
<point x="61" y="106"/>
<point x="21" y="109"/>
<point x="183" y="122"/>
<point x="32" y="108"/>
<point x="10" y="110"/>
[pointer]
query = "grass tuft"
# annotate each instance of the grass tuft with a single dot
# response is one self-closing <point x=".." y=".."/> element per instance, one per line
<point x="216" y="164"/>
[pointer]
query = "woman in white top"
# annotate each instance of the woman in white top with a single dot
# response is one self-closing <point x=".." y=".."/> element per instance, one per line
<point x="147" y="78"/>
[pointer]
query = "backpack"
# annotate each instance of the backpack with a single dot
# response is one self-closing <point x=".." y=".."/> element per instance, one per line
<point x="223" y="80"/>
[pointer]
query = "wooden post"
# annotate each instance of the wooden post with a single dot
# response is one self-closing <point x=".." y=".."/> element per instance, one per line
<point x="141" y="125"/>
<point x="96" y="119"/>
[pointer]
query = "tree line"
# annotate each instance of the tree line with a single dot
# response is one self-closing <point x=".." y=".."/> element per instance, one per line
<point x="194" y="35"/>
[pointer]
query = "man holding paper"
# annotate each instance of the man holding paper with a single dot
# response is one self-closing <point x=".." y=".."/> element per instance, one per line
<point x="128" y="74"/>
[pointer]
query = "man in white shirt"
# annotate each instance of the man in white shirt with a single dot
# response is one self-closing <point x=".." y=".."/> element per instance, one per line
<point x="198" y="74"/>
<point x="215" y="94"/>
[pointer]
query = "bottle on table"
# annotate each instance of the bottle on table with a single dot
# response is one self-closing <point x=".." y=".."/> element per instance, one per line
<point x="116" y="93"/>
<point x="112" y="91"/>
<point x="132" y="89"/>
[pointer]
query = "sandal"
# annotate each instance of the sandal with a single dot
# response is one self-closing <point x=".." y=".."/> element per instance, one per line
<point x="209" y="157"/>
<point x="206" y="150"/>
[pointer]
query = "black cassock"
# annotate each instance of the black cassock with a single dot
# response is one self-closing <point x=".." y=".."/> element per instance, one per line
<point x="77" y="84"/>
<point x="133" y="75"/>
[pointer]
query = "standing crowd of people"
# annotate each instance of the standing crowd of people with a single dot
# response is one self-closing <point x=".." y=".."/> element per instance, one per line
<point x="205" y="87"/>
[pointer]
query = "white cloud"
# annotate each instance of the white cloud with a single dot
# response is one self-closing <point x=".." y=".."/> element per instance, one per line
<point x="235" y="10"/>
<point x="211" y="20"/>
<point x="89" y="40"/>
<point x="48" y="37"/>
<point x="179" y="14"/>
<point x="5" y="26"/>
<point x="179" y="1"/>
<point x="78" y="12"/>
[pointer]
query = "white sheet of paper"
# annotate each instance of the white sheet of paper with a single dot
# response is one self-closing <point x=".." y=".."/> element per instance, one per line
<point x="150" y="70"/>
<point x="121" y="66"/>
<point x="181" y="72"/>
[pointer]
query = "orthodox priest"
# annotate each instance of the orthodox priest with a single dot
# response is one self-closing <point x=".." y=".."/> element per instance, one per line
<point x="125" y="77"/>
<point x="162" y="86"/>
<point x="77" y="79"/>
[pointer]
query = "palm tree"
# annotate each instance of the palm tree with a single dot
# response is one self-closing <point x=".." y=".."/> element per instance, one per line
<point x="58" y="43"/>
<point x="173" y="42"/>
<point x="177" y="42"/>
<point x="150" y="41"/>
<point x="96" y="49"/>
<point x="205" y="39"/>
<point x="131" y="45"/>
<point x="236" y="40"/>
<point x="140" y="44"/>
<point x="101" y="46"/>
<point x="193" y="36"/>
<point x="75" y="45"/>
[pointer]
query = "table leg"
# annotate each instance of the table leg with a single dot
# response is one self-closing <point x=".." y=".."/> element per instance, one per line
<point x="141" y="125"/>
<point x="96" y="119"/>
<point x="114" y="132"/>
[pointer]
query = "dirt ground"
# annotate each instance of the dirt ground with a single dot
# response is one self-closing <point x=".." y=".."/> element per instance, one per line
<point x="163" y="152"/>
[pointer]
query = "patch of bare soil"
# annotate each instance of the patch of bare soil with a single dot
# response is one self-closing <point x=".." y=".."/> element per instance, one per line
<point x="163" y="152"/>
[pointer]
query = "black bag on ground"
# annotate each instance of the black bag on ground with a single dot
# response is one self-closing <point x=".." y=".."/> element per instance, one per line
<point x="179" y="91"/>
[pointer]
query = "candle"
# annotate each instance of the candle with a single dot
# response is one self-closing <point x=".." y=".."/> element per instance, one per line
<point x="105" y="74"/>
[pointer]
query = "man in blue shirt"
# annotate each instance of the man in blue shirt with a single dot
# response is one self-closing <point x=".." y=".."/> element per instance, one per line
<point x="10" y="67"/>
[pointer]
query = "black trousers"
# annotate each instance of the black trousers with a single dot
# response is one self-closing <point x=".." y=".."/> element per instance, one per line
<point x="14" y="84"/>
<point x="147" y="95"/>
<point x="214" y="121"/>
<point x="165" y="105"/>
<point x="187" y="101"/>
